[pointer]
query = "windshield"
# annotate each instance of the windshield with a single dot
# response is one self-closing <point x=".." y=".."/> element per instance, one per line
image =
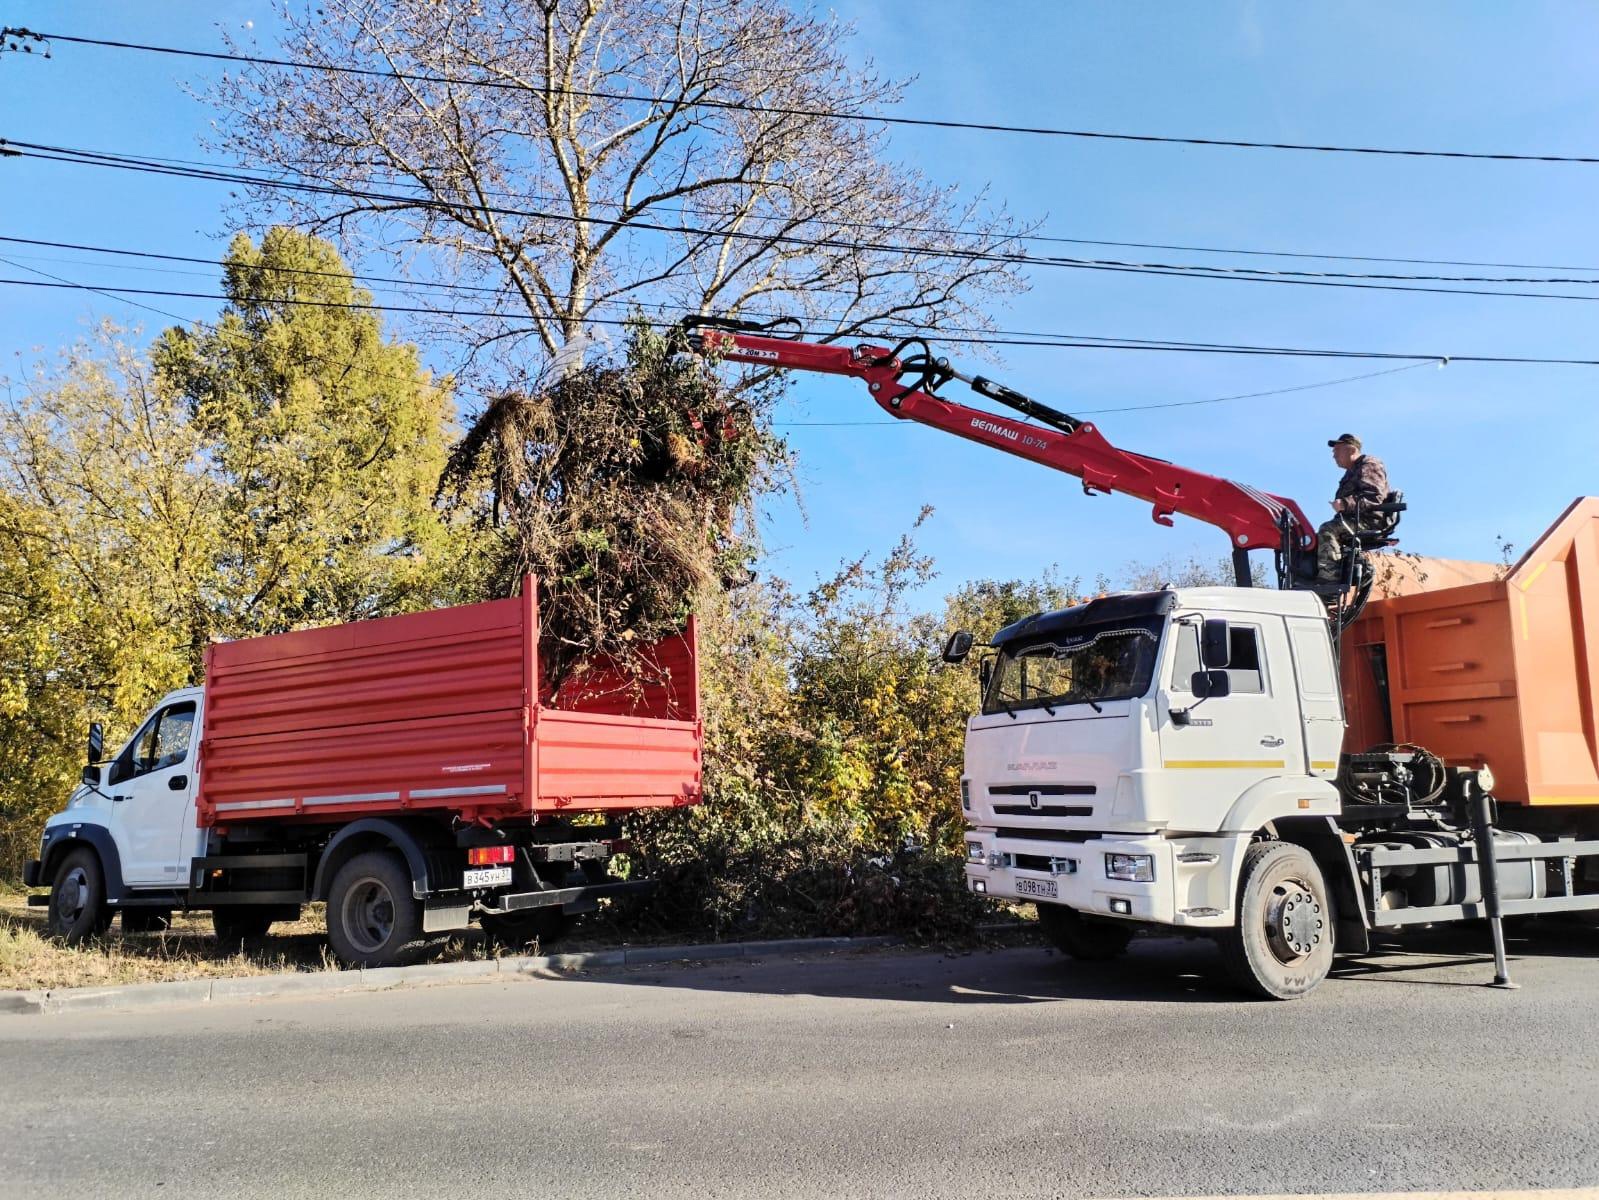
<point x="1092" y="664"/>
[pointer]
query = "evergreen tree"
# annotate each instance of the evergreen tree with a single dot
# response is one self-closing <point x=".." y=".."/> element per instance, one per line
<point x="327" y="441"/>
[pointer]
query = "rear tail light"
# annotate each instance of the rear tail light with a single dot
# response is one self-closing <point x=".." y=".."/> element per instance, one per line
<point x="621" y="846"/>
<point x="488" y="856"/>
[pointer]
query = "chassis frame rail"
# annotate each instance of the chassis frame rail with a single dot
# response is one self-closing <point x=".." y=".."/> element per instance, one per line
<point x="1378" y="859"/>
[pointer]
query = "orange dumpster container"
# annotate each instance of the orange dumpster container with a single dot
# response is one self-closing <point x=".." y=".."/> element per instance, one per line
<point x="1503" y="672"/>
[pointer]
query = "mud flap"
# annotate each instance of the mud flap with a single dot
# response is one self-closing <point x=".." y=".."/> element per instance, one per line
<point x="441" y="918"/>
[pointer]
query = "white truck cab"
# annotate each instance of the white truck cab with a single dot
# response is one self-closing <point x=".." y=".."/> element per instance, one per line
<point x="137" y="812"/>
<point x="1131" y="750"/>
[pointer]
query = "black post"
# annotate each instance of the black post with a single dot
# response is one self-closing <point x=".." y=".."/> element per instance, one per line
<point x="1242" y="575"/>
<point x="1488" y="874"/>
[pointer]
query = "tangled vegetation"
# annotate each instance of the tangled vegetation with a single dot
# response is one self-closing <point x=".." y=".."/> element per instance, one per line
<point x="619" y="487"/>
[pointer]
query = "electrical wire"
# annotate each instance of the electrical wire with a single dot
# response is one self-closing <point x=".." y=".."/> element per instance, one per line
<point x="1061" y="341"/>
<point x="1090" y="412"/>
<point x="1590" y="280"/>
<point x="787" y="111"/>
<point x="470" y="394"/>
<point x="945" y="231"/>
<point x="1243" y="275"/>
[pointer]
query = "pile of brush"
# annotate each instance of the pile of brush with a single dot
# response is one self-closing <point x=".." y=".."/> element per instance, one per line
<point x="619" y="486"/>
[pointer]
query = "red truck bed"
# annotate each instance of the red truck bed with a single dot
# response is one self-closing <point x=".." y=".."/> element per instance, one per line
<point x="440" y="710"/>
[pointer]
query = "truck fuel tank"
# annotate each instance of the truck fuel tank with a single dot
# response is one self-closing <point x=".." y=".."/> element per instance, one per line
<point x="1459" y="883"/>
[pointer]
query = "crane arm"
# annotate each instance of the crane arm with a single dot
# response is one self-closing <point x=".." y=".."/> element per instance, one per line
<point x="1252" y="519"/>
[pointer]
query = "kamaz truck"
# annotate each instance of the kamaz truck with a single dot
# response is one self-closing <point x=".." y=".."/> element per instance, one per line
<point x="1290" y="771"/>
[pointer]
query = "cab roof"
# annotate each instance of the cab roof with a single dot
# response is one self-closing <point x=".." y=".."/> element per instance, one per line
<point x="1133" y="606"/>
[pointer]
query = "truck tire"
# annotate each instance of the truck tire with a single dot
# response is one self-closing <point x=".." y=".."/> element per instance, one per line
<point x="146" y="920"/>
<point x="235" y="925"/>
<point x="1282" y="944"/>
<point x="373" y="920"/>
<point x="1087" y="939"/>
<point x="515" y="930"/>
<point x="78" y="909"/>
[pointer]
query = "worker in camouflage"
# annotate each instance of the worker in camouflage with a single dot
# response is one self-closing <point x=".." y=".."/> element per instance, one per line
<point x="1365" y="482"/>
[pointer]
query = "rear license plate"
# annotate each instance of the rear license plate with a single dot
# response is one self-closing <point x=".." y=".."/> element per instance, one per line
<point x="1037" y="887"/>
<point x="486" y="877"/>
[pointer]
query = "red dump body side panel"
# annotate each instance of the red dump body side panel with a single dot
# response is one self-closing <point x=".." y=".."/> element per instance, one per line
<point x="432" y="711"/>
<point x="1504" y="673"/>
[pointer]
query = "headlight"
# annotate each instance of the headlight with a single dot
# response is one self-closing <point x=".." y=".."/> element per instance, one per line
<point x="1485" y="778"/>
<point x="966" y="794"/>
<point x="974" y="852"/>
<point x="1132" y="868"/>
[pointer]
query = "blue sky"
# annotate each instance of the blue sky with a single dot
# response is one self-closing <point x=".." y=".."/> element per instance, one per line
<point x="1482" y="451"/>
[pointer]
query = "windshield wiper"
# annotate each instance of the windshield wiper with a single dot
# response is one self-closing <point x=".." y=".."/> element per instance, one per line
<point x="1094" y="704"/>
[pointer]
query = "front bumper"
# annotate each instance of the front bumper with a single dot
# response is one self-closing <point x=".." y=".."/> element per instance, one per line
<point x="1192" y="876"/>
<point x="31" y="873"/>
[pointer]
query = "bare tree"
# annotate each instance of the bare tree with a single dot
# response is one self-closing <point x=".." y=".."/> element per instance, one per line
<point x="576" y="158"/>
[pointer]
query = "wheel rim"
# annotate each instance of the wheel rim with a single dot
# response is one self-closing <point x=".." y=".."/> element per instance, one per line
<point x="368" y="915"/>
<point x="1296" y="921"/>
<point x="72" y="895"/>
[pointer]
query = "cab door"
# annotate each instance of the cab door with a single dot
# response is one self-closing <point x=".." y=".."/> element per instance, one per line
<point x="150" y="784"/>
<point x="1231" y="742"/>
<point x="1321" y="702"/>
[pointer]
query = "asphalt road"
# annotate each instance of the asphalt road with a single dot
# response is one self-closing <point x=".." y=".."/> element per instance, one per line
<point x="997" y="1073"/>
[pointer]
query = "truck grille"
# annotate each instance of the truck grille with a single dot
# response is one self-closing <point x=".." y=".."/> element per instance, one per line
<point x="1046" y="835"/>
<point x="1043" y="810"/>
<point x="1043" y="789"/>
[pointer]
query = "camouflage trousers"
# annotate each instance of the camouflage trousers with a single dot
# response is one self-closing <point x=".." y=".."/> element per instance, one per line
<point x="1334" y="539"/>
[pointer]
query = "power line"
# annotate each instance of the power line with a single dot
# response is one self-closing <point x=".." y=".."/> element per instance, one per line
<point x="786" y="111"/>
<point x="1243" y="275"/>
<point x="408" y="287"/>
<point x="1591" y="280"/>
<point x="456" y="390"/>
<point x="1057" y="341"/>
<point x="64" y="282"/>
<point x="945" y="231"/>
<point x="1283" y="391"/>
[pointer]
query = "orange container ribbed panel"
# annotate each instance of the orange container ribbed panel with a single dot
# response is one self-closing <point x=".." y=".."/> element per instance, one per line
<point x="1504" y="672"/>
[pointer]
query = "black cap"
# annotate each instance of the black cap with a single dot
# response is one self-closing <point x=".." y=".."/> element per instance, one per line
<point x="1347" y="439"/>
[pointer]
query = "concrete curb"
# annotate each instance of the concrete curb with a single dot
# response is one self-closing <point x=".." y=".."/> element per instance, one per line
<point x="378" y="979"/>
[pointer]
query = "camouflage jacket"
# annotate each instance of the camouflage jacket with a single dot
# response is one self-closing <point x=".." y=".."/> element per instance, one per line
<point x="1365" y="479"/>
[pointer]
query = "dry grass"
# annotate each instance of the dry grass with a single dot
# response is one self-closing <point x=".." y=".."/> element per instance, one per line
<point x="189" y="950"/>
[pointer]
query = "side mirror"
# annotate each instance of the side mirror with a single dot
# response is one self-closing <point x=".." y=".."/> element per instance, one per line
<point x="96" y="741"/>
<point x="91" y="775"/>
<point x="1215" y="644"/>
<point x="985" y="674"/>
<point x="1208" y="684"/>
<point x="957" y="647"/>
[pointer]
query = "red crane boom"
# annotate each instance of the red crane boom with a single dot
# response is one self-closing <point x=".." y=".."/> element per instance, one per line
<point x="1252" y="519"/>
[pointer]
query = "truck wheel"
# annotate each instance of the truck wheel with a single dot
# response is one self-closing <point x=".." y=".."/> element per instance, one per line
<point x="1282" y="944"/>
<point x="515" y="930"/>
<point x="146" y="920"/>
<point x="1084" y="938"/>
<point x="77" y="899"/>
<point x="237" y="924"/>
<point x="373" y="920"/>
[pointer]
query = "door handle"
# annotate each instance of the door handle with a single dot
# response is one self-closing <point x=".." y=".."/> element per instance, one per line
<point x="1271" y="741"/>
<point x="178" y="782"/>
<point x="118" y="799"/>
